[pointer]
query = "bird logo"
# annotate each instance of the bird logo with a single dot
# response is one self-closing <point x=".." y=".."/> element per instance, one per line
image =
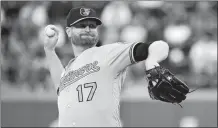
<point x="85" y="11"/>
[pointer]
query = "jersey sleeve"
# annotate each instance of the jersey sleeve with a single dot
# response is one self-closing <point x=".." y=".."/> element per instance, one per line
<point x="62" y="75"/>
<point x="120" y="56"/>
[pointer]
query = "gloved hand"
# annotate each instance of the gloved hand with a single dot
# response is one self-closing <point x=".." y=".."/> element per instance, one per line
<point x="166" y="87"/>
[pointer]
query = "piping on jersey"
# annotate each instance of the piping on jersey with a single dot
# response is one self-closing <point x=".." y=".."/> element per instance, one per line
<point x="117" y="86"/>
<point x="76" y="75"/>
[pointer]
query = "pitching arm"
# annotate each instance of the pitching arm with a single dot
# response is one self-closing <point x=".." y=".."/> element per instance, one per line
<point x="55" y="66"/>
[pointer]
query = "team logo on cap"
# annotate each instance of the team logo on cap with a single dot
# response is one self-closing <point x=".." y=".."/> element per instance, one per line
<point x="85" y="11"/>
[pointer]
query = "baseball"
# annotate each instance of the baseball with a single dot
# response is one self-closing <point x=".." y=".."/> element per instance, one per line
<point x="49" y="32"/>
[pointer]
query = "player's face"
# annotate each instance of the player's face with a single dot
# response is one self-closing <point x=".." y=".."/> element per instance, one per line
<point x="84" y="33"/>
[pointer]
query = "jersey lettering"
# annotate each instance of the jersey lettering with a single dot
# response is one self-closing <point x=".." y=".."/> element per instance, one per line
<point x="76" y="75"/>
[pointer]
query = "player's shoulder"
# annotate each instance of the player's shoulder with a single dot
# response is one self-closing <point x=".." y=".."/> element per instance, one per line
<point x="118" y="43"/>
<point x="105" y="49"/>
<point x="112" y="45"/>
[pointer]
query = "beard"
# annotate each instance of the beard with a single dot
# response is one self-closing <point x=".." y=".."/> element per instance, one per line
<point x="85" y="40"/>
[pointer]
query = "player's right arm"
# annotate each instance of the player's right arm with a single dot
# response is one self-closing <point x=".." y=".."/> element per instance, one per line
<point x="54" y="64"/>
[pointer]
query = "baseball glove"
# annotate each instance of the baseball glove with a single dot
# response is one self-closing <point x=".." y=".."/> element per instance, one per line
<point x="164" y="86"/>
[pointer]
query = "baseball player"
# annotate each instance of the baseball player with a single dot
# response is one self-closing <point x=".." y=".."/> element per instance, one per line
<point x="89" y="87"/>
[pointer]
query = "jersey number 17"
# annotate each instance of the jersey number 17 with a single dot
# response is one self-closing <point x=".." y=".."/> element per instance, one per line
<point x="92" y="86"/>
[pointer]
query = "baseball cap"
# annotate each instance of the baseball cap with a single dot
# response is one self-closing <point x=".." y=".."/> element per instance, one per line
<point x="78" y="14"/>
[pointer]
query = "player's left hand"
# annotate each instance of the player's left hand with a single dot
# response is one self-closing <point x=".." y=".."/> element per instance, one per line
<point x="164" y="86"/>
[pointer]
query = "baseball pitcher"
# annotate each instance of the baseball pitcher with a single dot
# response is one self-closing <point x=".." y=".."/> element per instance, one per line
<point x="89" y="87"/>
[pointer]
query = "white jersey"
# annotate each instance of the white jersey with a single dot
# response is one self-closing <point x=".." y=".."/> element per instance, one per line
<point x="89" y="92"/>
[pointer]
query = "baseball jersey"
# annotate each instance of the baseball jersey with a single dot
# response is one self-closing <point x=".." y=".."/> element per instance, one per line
<point x="90" y="86"/>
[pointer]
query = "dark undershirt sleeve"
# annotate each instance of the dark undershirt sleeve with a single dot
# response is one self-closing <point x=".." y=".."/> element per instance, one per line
<point x="140" y="51"/>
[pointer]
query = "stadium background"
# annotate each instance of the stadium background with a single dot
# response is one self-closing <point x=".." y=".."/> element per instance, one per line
<point x="190" y="28"/>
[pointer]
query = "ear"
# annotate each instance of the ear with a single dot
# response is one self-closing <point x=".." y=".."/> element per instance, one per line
<point x="68" y="31"/>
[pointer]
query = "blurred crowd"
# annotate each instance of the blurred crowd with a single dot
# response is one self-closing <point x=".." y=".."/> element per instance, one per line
<point x="190" y="28"/>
